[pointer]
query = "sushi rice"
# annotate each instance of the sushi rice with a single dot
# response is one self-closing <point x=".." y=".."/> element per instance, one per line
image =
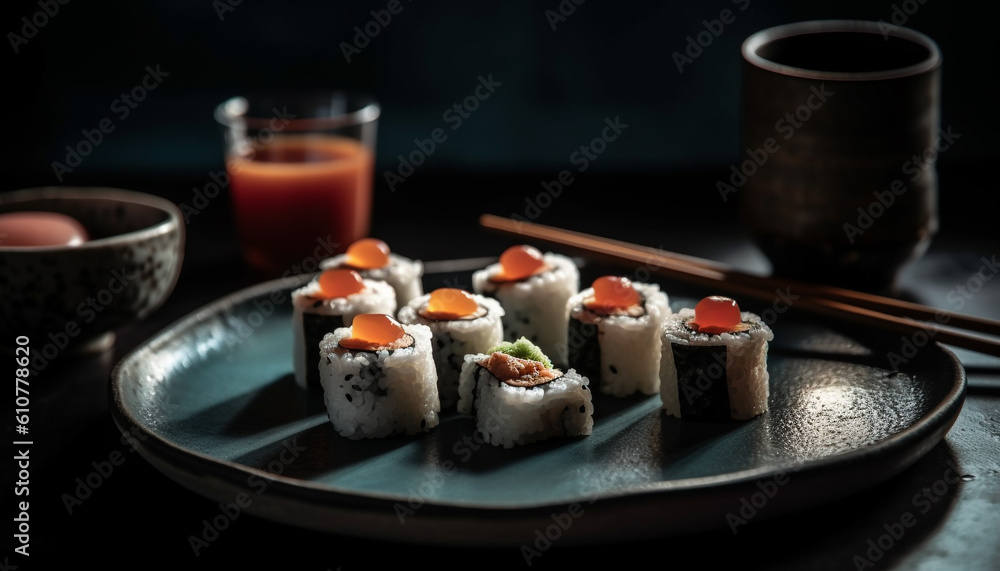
<point x="313" y="316"/>
<point x="535" y="307"/>
<point x="373" y="394"/>
<point x="627" y="348"/>
<point x="688" y="381"/>
<point x="507" y="415"/>
<point x="403" y="274"/>
<point x="455" y="338"/>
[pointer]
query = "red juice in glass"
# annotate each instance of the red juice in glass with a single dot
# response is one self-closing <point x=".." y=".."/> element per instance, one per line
<point x="301" y="169"/>
<point x="300" y="196"/>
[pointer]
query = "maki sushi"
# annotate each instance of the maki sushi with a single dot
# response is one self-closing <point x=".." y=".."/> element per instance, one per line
<point x="461" y="323"/>
<point x="713" y="363"/>
<point x="329" y="301"/>
<point x="379" y="379"/>
<point x="517" y="397"/>
<point x="614" y="335"/>
<point x="533" y="289"/>
<point x="372" y="259"/>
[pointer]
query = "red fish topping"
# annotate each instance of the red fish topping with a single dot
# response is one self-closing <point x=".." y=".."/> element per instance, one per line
<point x="373" y="331"/>
<point x="518" y="372"/>
<point x="450" y="303"/>
<point x="519" y="262"/>
<point x="613" y="294"/>
<point x="340" y="283"/>
<point x="367" y="254"/>
<point x="717" y="314"/>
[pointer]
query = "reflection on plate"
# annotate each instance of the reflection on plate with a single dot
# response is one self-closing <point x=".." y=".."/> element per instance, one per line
<point x="215" y="406"/>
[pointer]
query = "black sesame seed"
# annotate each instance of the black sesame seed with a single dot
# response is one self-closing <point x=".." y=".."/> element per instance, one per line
<point x="614" y="370"/>
<point x="348" y="377"/>
<point x="356" y="387"/>
<point x="349" y="398"/>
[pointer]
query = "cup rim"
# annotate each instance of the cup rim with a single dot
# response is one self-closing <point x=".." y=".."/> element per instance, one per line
<point x="768" y="35"/>
<point x="233" y="111"/>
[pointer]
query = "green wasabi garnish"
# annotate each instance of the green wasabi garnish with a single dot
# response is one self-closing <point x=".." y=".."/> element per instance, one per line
<point x="522" y="349"/>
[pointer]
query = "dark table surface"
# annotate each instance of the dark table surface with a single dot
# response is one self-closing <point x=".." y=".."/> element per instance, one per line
<point x="137" y="517"/>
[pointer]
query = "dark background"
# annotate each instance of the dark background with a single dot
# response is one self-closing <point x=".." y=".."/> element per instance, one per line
<point x="603" y="60"/>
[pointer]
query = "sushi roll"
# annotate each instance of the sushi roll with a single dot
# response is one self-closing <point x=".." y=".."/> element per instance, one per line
<point x="517" y="396"/>
<point x="533" y="289"/>
<point x="713" y="363"/>
<point x="461" y="323"/>
<point x="379" y="379"/>
<point x="614" y="335"/>
<point x="329" y="301"/>
<point x="372" y="259"/>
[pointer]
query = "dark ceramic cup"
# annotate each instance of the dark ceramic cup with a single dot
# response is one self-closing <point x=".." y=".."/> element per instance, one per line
<point x="840" y="135"/>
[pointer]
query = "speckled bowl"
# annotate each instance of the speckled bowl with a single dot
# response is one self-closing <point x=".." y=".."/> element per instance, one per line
<point x="66" y="299"/>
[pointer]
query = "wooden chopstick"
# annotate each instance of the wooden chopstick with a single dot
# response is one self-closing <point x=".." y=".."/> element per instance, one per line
<point x="858" y="307"/>
<point x="897" y="307"/>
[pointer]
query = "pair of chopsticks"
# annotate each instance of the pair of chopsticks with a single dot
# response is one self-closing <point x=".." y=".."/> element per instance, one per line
<point x="862" y="308"/>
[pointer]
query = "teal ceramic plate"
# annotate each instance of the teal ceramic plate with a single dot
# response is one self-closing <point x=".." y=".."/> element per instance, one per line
<point x="211" y="402"/>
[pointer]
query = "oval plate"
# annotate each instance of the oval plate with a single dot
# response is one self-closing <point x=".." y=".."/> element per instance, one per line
<point x="212" y="403"/>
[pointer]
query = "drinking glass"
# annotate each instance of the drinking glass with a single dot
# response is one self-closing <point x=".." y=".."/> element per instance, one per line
<point x="301" y="169"/>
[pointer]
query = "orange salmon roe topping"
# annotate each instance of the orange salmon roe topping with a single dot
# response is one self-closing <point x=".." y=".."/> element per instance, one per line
<point x="367" y="254"/>
<point x="716" y="314"/>
<point x="371" y="331"/>
<point x="450" y="303"/>
<point x="613" y="292"/>
<point x="519" y="262"/>
<point x="340" y="283"/>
